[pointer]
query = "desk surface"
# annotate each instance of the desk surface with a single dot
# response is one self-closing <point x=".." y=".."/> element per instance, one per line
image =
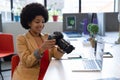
<point x="61" y="69"/>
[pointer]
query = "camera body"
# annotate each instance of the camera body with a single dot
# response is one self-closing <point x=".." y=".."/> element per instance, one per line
<point x="64" y="45"/>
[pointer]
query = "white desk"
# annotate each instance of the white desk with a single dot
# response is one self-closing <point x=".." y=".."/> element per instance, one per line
<point x="61" y="69"/>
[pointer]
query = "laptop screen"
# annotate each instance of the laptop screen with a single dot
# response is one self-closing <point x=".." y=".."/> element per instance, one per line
<point x="73" y="22"/>
<point x="99" y="52"/>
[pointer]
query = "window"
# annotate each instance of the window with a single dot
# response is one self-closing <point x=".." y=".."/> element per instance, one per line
<point x="64" y="6"/>
<point x="24" y="2"/>
<point x="71" y="6"/>
<point x="19" y="4"/>
<point x="5" y="10"/>
<point x="68" y="6"/>
<point x="97" y="6"/>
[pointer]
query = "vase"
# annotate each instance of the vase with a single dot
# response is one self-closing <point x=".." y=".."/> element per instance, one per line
<point x="92" y="41"/>
<point x="17" y="18"/>
<point x="55" y="18"/>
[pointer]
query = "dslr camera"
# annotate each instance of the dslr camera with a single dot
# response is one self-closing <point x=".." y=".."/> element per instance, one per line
<point x="64" y="45"/>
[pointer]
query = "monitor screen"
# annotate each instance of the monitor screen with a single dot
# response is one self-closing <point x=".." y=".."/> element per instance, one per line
<point x="74" y="21"/>
<point x="71" y="22"/>
<point x="107" y="22"/>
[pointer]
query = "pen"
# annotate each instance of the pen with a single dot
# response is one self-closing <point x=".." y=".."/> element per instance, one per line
<point x="75" y="57"/>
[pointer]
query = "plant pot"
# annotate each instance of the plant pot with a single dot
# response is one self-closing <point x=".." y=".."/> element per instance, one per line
<point x="92" y="41"/>
<point x="55" y="17"/>
<point x="17" y="18"/>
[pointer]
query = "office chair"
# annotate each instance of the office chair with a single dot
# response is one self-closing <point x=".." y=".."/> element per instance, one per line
<point x="6" y="48"/>
<point x="14" y="63"/>
<point x="44" y="64"/>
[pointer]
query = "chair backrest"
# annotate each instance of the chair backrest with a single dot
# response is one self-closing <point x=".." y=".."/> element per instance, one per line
<point x="14" y="62"/>
<point x="44" y="65"/>
<point x="6" y="42"/>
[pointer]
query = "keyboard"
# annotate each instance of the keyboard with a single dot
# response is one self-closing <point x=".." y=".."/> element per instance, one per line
<point x="89" y="64"/>
<point x="73" y="34"/>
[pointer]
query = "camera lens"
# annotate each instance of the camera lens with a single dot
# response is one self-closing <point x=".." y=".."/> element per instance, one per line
<point x="65" y="46"/>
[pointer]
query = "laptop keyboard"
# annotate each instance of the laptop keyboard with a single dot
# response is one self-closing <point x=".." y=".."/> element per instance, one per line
<point x="89" y="64"/>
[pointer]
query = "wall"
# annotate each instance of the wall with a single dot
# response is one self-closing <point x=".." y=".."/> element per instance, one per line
<point x="15" y="28"/>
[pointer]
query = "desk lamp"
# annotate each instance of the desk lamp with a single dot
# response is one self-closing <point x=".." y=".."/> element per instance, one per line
<point x="118" y="41"/>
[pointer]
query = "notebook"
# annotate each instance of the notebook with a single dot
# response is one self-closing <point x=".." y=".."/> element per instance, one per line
<point x="92" y="64"/>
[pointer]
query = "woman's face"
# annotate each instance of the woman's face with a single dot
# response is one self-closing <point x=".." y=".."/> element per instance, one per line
<point x="37" y="24"/>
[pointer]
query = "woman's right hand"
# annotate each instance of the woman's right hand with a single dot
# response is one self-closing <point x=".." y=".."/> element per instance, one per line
<point x="47" y="44"/>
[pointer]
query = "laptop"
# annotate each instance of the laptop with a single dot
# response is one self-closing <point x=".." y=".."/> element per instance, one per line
<point x="92" y="64"/>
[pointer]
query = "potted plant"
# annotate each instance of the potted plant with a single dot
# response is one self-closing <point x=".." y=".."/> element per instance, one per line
<point x="16" y="11"/>
<point x="54" y="8"/>
<point x="55" y="15"/>
<point x="93" y="30"/>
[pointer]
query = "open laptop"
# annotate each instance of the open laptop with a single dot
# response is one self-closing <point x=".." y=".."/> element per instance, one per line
<point x="92" y="64"/>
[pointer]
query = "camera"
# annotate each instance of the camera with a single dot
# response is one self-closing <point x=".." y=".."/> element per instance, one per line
<point x="64" y="45"/>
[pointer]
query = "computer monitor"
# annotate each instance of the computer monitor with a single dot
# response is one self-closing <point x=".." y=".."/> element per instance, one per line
<point x="111" y="21"/>
<point x="107" y="21"/>
<point x="73" y="22"/>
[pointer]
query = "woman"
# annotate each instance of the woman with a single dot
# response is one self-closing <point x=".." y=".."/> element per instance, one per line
<point x="34" y="48"/>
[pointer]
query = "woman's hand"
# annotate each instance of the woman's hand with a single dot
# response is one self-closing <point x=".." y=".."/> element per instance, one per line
<point x="47" y="45"/>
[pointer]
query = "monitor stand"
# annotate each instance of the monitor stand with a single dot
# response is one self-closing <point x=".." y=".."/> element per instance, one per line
<point x="118" y="41"/>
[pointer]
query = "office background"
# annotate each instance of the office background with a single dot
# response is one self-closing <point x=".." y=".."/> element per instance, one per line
<point x="15" y="27"/>
<point x="9" y="25"/>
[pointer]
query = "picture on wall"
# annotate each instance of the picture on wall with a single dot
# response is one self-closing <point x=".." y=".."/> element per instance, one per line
<point x="71" y="22"/>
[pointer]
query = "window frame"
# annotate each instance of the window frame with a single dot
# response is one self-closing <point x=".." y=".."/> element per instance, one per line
<point x="45" y="4"/>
